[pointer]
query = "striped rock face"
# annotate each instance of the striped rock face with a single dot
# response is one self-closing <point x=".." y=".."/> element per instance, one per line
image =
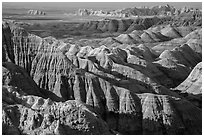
<point x="53" y="87"/>
<point x="33" y="115"/>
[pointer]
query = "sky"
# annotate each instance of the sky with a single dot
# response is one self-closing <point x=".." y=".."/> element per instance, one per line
<point x="94" y="5"/>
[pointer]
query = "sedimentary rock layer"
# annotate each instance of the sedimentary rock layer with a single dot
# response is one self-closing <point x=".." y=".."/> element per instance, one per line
<point x="32" y="115"/>
<point x="193" y="83"/>
<point x="126" y="87"/>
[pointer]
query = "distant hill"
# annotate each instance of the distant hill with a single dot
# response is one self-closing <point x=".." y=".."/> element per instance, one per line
<point x="138" y="11"/>
<point x="36" y="12"/>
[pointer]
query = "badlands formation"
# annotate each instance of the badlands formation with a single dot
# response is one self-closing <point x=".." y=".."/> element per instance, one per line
<point x="138" y="11"/>
<point x="36" y="12"/>
<point x="147" y="80"/>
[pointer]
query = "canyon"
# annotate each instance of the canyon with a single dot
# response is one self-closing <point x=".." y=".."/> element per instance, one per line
<point x="142" y="77"/>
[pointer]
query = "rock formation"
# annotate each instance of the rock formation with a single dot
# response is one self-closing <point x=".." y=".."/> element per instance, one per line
<point x="120" y="86"/>
<point x="16" y="76"/>
<point x="7" y="44"/>
<point x="33" y="115"/>
<point x="170" y="32"/>
<point x="141" y="31"/>
<point x="128" y="12"/>
<point x="142" y="11"/>
<point x="193" y="83"/>
<point x="191" y="37"/>
<point x="19" y="46"/>
<point x="191" y="88"/>
<point x="36" y="12"/>
<point x="119" y="25"/>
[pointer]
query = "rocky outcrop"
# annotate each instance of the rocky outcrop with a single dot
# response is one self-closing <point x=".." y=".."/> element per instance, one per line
<point x="127" y="113"/>
<point x="19" y="46"/>
<point x="166" y="36"/>
<point x="13" y="75"/>
<point x="121" y="107"/>
<point x="50" y="59"/>
<point x="126" y="87"/>
<point x="191" y="87"/>
<point x="182" y="55"/>
<point x="193" y="83"/>
<point x="102" y="82"/>
<point x="36" y="12"/>
<point x="7" y="44"/>
<point x="194" y="40"/>
<point x="164" y="10"/>
<point x="128" y="12"/>
<point x="178" y="63"/>
<point x="170" y="32"/>
<point x="119" y="25"/>
<point x="16" y="76"/>
<point x="126" y="39"/>
<point x="169" y="113"/>
<point x="192" y="37"/>
<point x="90" y="12"/>
<point x="32" y="115"/>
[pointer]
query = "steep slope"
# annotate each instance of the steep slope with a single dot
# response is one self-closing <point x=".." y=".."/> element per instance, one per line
<point x="193" y="39"/>
<point x="196" y="34"/>
<point x="32" y="115"/>
<point x="136" y="35"/>
<point x="196" y="45"/>
<point x="182" y="55"/>
<point x="193" y="83"/>
<point x="136" y="114"/>
<point x="109" y="41"/>
<point x="170" y="32"/>
<point x="123" y="86"/>
<point x="178" y="63"/>
<point x="50" y="66"/>
<point x="119" y="25"/>
<point x="19" y="46"/>
<point x="126" y="39"/>
<point x="184" y="30"/>
<point x="191" y="88"/>
<point x="7" y="45"/>
<point x="123" y="25"/>
<point x="147" y="38"/>
<point x="13" y="75"/>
